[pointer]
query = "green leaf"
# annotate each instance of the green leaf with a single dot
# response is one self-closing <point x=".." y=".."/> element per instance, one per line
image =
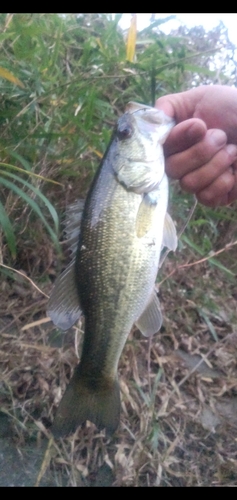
<point x="50" y="207"/>
<point x="156" y="23"/>
<point x="20" y="158"/>
<point x="191" y="244"/>
<point x="218" y="264"/>
<point x="8" y="230"/>
<point x="210" y="259"/>
<point x="117" y="19"/>
<point x="32" y="203"/>
<point x="56" y="47"/>
<point x="32" y="174"/>
<point x="199" y="69"/>
<point x="209" y="324"/>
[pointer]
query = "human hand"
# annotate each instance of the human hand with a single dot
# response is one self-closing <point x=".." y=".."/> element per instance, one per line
<point x="201" y="150"/>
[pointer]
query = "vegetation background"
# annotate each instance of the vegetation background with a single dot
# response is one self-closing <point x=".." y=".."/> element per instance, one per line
<point x="64" y="80"/>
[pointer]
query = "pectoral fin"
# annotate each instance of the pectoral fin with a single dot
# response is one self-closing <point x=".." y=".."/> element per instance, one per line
<point x="63" y="307"/>
<point x="151" y="319"/>
<point x="145" y="215"/>
<point x="170" y="239"/>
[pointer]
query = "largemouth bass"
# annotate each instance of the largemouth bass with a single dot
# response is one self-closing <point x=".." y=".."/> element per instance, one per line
<point x="111" y="279"/>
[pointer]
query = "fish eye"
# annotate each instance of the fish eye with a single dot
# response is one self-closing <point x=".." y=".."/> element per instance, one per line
<point x="124" y="132"/>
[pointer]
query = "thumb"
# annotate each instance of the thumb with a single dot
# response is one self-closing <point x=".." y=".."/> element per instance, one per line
<point x="180" y="106"/>
<point x="167" y="104"/>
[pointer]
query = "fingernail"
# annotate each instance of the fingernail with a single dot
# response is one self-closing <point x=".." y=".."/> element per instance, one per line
<point x="231" y="149"/>
<point x="218" y="137"/>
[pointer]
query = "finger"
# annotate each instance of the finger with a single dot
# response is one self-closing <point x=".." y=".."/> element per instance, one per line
<point x="202" y="177"/>
<point x="181" y="106"/>
<point x="182" y="163"/>
<point x="184" y="135"/>
<point x="216" y="105"/>
<point x="217" y="193"/>
<point x="232" y="195"/>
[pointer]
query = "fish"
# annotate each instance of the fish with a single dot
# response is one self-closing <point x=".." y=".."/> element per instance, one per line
<point x="116" y="240"/>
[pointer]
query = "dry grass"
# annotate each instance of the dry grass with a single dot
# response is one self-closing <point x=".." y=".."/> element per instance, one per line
<point x="179" y="390"/>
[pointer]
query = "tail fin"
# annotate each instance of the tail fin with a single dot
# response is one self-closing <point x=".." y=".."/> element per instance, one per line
<point x="97" y="400"/>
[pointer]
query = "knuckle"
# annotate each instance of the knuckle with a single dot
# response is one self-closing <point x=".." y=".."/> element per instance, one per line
<point x="206" y="198"/>
<point x="189" y="183"/>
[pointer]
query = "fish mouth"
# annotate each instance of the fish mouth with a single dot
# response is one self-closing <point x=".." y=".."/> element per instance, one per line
<point x="148" y="113"/>
<point x="150" y="120"/>
<point x="133" y="107"/>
